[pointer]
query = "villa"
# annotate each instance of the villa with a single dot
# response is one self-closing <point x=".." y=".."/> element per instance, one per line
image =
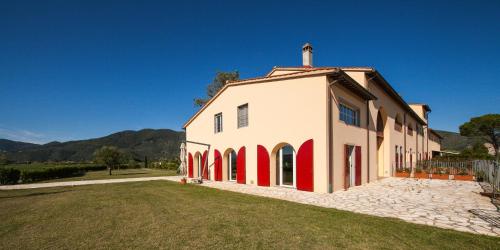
<point x="318" y="129"/>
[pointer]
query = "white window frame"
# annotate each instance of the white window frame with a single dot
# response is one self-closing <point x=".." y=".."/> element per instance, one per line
<point x="230" y="166"/>
<point x="294" y="169"/>
<point x="199" y="165"/>
<point x="238" y="116"/>
<point x="218" y="119"/>
<point x="356" y="111"/>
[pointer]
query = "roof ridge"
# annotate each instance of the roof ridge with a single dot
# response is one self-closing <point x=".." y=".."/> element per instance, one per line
<point x="282" y="75"/>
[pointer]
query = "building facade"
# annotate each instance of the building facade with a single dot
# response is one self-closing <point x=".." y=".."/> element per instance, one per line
<point x="317" y="129"/>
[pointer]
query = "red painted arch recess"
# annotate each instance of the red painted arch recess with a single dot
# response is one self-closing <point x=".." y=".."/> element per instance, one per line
<point x="190" y="165"/>
<point x="240" y="166"/>
<point x="263" y="169"/>
<point x="357" y="167"/>
<point x="305" y="166"/>
<point x="204" y="168"/>
<point x="217" y="165"/>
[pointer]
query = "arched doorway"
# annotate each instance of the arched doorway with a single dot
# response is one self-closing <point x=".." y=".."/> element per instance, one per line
<point x="286" y="166"/>
<point x="382" y="135"/>
<point x="230" y="164"/>
<point x="197" y="165"/>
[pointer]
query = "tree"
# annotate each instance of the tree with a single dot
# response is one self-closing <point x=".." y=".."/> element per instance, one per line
<point x="111" y="157"/>
<point x="221" y="78"/>
<point x="3" y="159"/>
<point x="487" y="126"/>
<point x="477" y="151"/>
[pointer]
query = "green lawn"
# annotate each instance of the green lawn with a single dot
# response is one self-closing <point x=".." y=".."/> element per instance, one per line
<point x="162" y="214"/>
<point x="118" y="174"/>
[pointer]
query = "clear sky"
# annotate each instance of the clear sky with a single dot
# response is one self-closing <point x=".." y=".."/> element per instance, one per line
<point x="81" y="69"/>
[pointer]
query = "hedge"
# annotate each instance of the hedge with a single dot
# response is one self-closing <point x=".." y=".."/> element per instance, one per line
<point x="9" y="176"/>
<point x="56" y="172"/>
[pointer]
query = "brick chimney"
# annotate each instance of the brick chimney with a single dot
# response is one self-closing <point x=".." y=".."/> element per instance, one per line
<point x="307" y="55"/>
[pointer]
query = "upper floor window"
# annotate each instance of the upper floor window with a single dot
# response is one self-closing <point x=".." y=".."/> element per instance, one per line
<point x="349" y="115"/>
<point x="398" y="124"/>
<point x="243" y="116"/>
<point x="410" y="130"/>
<point x="218" y="123"/>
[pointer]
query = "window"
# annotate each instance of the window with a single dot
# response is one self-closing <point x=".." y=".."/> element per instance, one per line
<point x="348" y="115"/>
<point x="285" y="159"/>
<point x="218" y="123"/>
<point x="398" y="124"/>
<point x="232" y="165"/>
<point x="243" y="116"/>
<point x="410" y="130"/>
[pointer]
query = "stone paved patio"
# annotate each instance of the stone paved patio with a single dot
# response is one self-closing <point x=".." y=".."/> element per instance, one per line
<point x="439" y="203"/>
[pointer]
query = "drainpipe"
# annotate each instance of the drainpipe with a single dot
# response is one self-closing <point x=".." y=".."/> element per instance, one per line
<point x="330" y="139"/>
<point x="404" y="136"/>
<point x="368" y="139"/>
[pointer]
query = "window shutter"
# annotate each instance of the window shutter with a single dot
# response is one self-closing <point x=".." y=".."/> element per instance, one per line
<point x="346" y="166"/>
<point x="243" y="116"/>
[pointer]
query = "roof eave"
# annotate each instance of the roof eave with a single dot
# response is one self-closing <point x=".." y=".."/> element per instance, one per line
<point x="392" y="92"/>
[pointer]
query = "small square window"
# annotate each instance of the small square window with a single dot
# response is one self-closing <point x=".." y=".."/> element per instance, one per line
<point x="218" y="123"/>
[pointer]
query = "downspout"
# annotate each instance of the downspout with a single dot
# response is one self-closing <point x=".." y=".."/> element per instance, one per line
<point x="330" y="139"/>
<point x="404" y="136"/>
<point x="368" y="139"/>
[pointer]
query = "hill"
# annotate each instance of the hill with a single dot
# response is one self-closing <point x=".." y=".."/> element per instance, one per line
<point x="455" y="142"/>
<point x="153" y="143"/>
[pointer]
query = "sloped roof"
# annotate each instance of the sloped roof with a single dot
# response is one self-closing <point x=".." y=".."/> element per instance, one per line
<point x="299" y="72"/>
<point x="346" y="81"/>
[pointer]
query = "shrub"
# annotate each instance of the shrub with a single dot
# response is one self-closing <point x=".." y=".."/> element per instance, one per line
<point x="9" y="176"/>
<point x="54" y="172"/>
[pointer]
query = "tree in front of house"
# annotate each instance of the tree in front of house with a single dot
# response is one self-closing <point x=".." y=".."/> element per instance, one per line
<point x="221" y="78"/>
<point x="486" y="126"/>
<point x="111" y="157"/>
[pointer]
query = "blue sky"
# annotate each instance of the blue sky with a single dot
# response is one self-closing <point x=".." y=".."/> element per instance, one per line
<point x="81" y="69"/>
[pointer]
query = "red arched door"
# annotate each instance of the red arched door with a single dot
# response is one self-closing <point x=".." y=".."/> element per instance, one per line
<point x="305" y="167"/>
<point x="263" y="174"/>
<point x="217" y="165"/>
<point x="190" y="165"/>
<point x="240" y="166"/>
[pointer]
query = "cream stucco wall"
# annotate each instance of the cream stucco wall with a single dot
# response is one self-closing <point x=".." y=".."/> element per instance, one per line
<point x="287" y="111"/>
<point x="294" y="110"/>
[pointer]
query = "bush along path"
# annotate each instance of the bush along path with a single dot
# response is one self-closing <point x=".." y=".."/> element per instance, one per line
<point x="81" y="183"/>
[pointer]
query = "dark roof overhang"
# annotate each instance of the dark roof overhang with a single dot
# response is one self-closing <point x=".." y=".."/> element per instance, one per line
<point x="341" y="78"/>
<point x="379" y="79"/>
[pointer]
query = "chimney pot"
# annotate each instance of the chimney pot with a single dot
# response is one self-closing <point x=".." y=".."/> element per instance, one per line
<point x="307" y="55"/>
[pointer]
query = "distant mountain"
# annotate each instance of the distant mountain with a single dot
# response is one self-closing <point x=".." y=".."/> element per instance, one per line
<point x="153" y="143"/>
<point x="14" y="146"/>
<point x="455" y="142"/>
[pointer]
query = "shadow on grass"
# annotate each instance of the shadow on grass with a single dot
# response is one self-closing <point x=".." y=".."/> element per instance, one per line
<point x="35" y="194"/>
<point x="130" y="173"/>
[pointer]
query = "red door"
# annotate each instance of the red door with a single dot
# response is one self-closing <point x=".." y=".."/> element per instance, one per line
<point x="263" y="173"/>
<point x="346" y="166"/>
<point x="305" y="166"/>
<point x="357" y="180"/>
<point x="190" y="165"/>
<point x="217" y="165"/>
<point x="204" y="168"/>
<point x="240" y="166"/>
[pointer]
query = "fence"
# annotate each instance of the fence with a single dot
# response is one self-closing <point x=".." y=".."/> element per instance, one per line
<point x="483" y="170"/>
<point x="488" y="171"/>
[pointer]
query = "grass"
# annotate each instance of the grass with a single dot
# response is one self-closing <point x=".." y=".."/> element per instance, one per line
<point x="162" y="214"/>
<point x="118" y="174"/>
